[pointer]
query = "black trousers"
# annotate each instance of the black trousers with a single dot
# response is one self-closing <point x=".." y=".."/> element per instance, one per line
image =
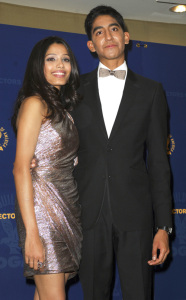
<point x="104" y="243"/>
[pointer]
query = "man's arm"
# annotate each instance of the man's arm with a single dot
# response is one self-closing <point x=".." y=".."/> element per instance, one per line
<point x="159" y="174"/>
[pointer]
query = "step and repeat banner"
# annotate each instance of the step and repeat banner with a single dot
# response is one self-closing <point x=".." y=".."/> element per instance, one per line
<point x="164" y="63"/>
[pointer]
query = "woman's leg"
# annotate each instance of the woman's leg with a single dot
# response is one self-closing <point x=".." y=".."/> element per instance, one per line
<point x="36" y="295"/>
<point x="50" y="286"/>
<point x="66" y="277"/>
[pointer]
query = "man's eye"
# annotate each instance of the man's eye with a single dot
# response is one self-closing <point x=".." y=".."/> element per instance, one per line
<point x="98" y="32"/>
<point x="114" y="29"/>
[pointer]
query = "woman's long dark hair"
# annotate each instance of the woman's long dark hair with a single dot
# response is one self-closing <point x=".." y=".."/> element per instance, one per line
<point x="35" y="83"/>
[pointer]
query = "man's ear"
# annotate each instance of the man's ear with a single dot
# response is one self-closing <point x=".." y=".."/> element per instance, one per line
<point x="91" y="46"/>
<point x="126" y="37"/>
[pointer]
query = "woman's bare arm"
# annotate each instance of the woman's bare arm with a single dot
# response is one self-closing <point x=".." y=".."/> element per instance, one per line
<point x="29" y="121"/>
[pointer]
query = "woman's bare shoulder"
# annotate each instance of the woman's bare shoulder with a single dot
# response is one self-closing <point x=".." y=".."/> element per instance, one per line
<point x="34" y="105"/>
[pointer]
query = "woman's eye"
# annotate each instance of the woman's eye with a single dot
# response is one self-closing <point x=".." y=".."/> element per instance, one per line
<point x="50" y="59"/>
<point x="66" y="59"/>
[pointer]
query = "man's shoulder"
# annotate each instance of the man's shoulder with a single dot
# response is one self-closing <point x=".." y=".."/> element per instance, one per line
<point x="142" y="80"/>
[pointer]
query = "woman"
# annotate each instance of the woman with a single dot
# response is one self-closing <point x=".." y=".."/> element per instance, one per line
<point x="47" y="208"/>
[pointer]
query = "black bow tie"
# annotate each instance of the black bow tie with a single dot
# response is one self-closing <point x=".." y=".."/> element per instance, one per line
<point x="120" y="74"/>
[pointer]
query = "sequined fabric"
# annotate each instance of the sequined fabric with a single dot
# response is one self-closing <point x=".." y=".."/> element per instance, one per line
<point x="56" y="203"/>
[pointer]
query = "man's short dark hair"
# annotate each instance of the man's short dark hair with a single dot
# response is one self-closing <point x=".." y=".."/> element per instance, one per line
<point x="100" y="11"/>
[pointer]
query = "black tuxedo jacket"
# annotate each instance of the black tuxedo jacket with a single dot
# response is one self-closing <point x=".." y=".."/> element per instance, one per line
<point x="133" y="160"/>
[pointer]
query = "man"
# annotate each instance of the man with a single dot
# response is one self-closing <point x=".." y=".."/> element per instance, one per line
<point x="123" y="173"/>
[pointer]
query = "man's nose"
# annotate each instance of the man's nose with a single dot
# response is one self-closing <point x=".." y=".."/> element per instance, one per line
<point x="108" y="35"/>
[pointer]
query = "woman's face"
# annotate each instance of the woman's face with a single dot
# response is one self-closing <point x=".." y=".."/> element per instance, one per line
<point x="57" y="66"/>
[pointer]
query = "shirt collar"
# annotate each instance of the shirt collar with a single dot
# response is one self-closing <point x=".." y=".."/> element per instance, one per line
<point x="121" y="67"/>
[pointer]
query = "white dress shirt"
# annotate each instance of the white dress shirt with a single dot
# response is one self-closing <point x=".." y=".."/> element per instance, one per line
<point x="110" y="93"/>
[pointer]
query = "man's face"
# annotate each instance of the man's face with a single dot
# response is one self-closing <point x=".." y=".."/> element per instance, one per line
<point x="108" y="39"/>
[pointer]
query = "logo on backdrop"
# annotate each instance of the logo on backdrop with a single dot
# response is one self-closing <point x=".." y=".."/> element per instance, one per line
<point x="179" y="247"/>
<point x="10" y="253"/>
<point x="179" y="212"/>
<point x="10" y="81"/>
<point x="176" y="94"/>
<point x="3" y="139"/>
<point x="170" y="145"/>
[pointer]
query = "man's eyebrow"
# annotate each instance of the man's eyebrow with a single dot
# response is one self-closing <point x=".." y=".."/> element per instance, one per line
<point x="110" y="25"/>
<point x="114" y="24"/>
<point x="96" y="28"/>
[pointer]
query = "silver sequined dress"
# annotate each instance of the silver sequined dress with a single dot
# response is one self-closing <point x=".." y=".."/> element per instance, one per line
<point x="56" y="203"/>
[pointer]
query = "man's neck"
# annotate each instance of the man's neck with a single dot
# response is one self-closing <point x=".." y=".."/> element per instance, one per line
<point x="112" y="64"/>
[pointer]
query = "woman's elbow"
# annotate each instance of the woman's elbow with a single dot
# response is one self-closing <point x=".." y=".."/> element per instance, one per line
<point x="19" y="170"/>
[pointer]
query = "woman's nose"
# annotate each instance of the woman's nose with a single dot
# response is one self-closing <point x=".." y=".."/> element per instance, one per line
<point x="60" y="64"/>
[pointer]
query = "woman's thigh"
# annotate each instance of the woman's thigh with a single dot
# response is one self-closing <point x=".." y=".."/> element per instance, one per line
<point x="50" y="286"/>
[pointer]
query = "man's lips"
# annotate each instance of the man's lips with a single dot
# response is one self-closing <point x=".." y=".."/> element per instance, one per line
<point x="110" y="46"/>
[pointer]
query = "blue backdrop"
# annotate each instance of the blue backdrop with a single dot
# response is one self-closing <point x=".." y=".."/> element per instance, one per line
<point x="164" y="63"/>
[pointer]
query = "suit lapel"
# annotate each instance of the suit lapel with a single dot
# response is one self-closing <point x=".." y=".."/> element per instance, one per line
<point x="129" y="94"/>
<point x="93" y="100"/>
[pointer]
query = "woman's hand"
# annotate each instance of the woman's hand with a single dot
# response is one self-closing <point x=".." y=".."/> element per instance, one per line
<point x="34" y="251"/>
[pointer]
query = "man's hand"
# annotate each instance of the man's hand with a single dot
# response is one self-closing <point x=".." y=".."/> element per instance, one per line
<point x="76" y="161"/>
<point x="33" y="163"/>
<point x="161" y="243"/>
